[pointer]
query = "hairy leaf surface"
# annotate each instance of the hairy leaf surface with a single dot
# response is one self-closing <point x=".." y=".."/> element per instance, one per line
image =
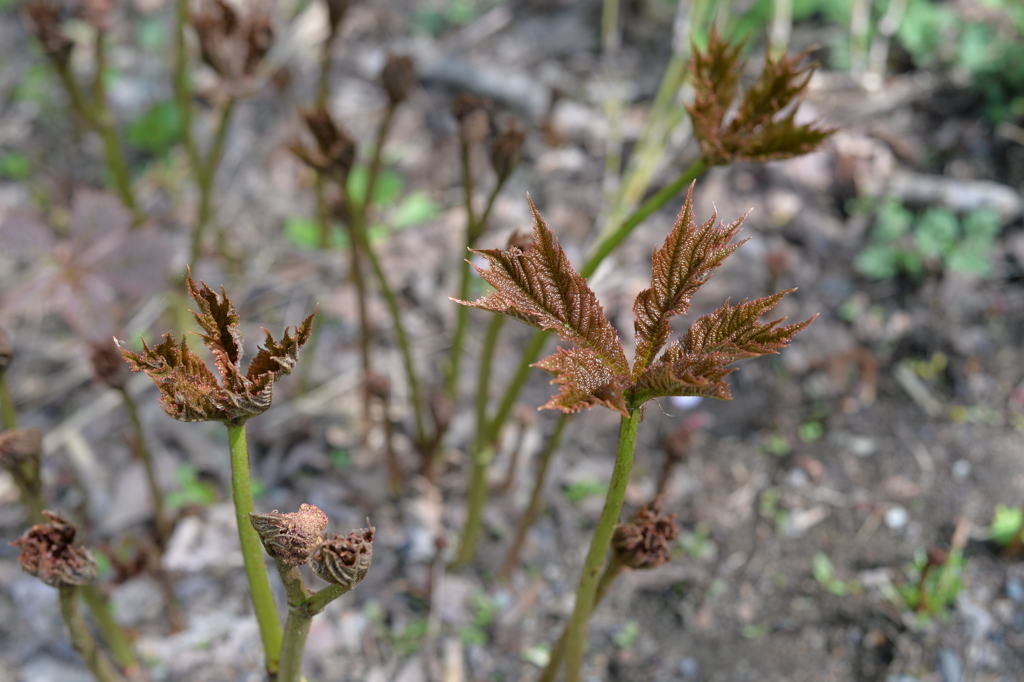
<point x="679" y="268"/>
<point x="584" y="381"/>
<point x="540" y="287"/>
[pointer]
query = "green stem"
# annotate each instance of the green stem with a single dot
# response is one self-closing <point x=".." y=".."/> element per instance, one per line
<point x="9" y="415"/>
<point x="607" y="245"/>
<point x="117" y="639"/>
<point x="476" y="496"/>
<point x="163" y="525"/>
<point x="608" y="576"/>
<point x="252" y="549"/>
<point x="105" y="124"/>
<point x="530" y="354"/>
<point x="296" y="628"/>
<point x="586" y="593"/>
<point x="82" y="640"/>
<point x="182" y="93"/>
<point x="533" y="508"/>
<point x="206" y="173"/>
<point x="319" y="600"/>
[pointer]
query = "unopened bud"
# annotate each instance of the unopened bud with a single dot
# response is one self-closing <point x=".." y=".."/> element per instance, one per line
<point x="290" y="538"/>
<point x="43" y="18"/>
<point x="19" y="447"/>
<point x="505" y="152"/>
<point x="521" y="239"/>
<point x="398" y="78"/>
<point x="345" y="560"/>
<point x="48" y="552"/>
<point x="336" y="147"/>
<point x="645" y="542"/>
<point x="336" y="10"/>
<point x="108" y="365"/>
<point x="474" y="116"/>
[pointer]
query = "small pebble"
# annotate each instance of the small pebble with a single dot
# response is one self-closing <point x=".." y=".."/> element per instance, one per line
<point x="685" y="402"/>
<point x="689" y="668"/>
<point x="896" y="517"/>
<point x="961" y="469"/>
<point x="952" y="668"/>
<point x="1015" y="589"/>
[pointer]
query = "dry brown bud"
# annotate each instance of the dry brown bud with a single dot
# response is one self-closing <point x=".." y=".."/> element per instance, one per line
<point x="21" y="446"/>
<point x="336" y="10"/>
<point x="646" y="541"/>
<point x="6" y="352"/>
<point x="231" y="44"/>
<point x="337" y="149"/>
<point x="47" y="552"/>
<point x="108" y="365"/>
<point x="290" y="538"/>
<point x="465" y="105"/>
<point x="345" y="560"/>
<point x="506" y="150"/>
<point x="44" y="20"/>
<point x="398" y="78"/>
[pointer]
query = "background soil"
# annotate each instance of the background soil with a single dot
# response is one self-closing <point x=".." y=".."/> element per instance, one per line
<point x="856" y="442"/>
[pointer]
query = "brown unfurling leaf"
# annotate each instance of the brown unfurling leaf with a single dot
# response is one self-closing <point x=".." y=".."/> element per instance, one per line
<point x="758" y="132"/>
<point x="47" y="551"/>
<point x="540" y="287"/>
<point x="584" y="381"/>
<point x="189" y="391"/>
<point x="697" y="363"/>
<point x="678" y="269"/>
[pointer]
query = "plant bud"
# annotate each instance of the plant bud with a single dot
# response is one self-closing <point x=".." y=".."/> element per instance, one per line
<point x="505" y="152"/>
<point x="6" y="352"/>
<point x="474" y="116"/>
<point x="398" y="78"/>
<point x="20" y="446"/>
<point x="345" y="560"/>
<point x="336" y="10"/>
<point x="43" y="18"/>
<point x="645" y="542"/>
<point x="47" y="552"/>
<point x="337" y="148"/>
<point x="522" y="240"/>
<point x="108" y="365"/>
<point x="290" y="538"/>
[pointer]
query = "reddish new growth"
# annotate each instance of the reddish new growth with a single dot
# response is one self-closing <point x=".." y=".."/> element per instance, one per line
<point x="345" y="560"/>
<point x="540" y="287"/>
<point x="47" y="552"/>
<point x="646" y="541"/>
<point x="188" y="389"/>
<point x="759" y="131"/>
<point x="291" y="538"/>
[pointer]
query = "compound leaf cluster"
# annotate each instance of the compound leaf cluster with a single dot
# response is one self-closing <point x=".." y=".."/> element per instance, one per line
<point x="540" y="287"/>
<point x="190" y="392"/>
<point x="759" y="131"/>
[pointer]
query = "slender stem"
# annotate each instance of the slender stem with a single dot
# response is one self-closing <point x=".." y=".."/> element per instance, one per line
<point x="206" y="173"/>
<point x="586" y="593"/>
<point x="533" y="508"/>
<point x="82" y="640"/>
<point x="530" y="354"/>
<point x="377" y="160"/>
<point x="117" y="639"/>
<point x="483" y="382"/>
<point x="163" y="525"/>
<point x="319" y="600"/>
<point x="606" y="246"/>
<point x="608" y="576"/>
<point x="323" y="84"/>
<point x="476" y="496"/>
<point x="7" y="411"/>
<point x="252" y="549"/>
<point x="105" y="124"/>
<point x="182" y="93"/>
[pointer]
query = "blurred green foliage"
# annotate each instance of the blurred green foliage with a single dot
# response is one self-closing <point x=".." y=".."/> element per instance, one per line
<point x="902" y="242"/>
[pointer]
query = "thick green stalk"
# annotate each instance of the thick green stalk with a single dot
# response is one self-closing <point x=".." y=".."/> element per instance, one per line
<point x="586" y="592"/>
<point x="118" y="641"/>
<point x="252" y="549"/>
<point x="101" y="667"/>
<point x="533" y="508"/>
<point x="608" y="576"/>
<point x="296" y="628"/>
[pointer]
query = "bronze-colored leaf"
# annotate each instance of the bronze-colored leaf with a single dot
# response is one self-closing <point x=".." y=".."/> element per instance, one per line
<point x="188" y="389"/>
<point x="759" y="131"/>
<point x="679" y="268"/>
<point x="47" y="551"/>
<point x="540" y="287"/>
<point x="697" y="363"/>
<point x="584" y="381"/>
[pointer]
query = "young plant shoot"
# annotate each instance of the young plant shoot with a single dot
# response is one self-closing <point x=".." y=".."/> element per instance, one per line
<point x="540" y="287"/>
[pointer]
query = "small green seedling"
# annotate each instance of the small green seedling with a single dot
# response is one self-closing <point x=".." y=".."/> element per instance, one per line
<point x="824" y="573"/>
